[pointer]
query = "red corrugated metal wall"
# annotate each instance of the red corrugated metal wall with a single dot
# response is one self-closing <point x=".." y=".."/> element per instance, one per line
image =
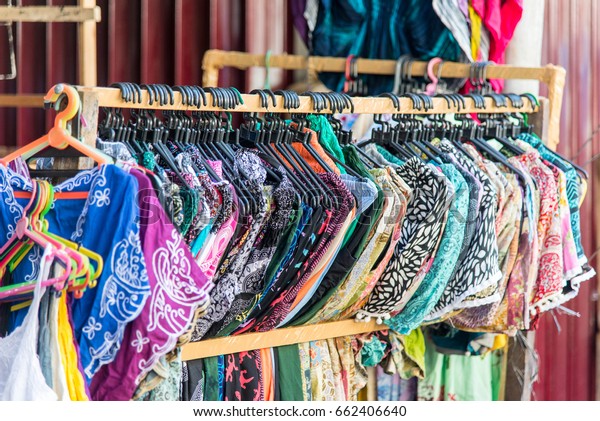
<point x="571" y="39"/>
<point x="143" y="41"/>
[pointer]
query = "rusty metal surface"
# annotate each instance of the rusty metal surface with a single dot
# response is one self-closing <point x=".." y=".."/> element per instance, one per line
<point x="566" y="344"/>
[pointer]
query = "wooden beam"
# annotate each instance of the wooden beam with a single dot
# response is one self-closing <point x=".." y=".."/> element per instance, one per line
<point x="89" y="130"/>
<point x="22" y="100"/>
<point x="556" y="87"/>
<point x="213" y="60"/>
<point x="49" y="14"/>
<point x="551" y="75"/>
<point x="275" y="338"/>
<point x="87" y="47"/>
<point x="111" y="97"/>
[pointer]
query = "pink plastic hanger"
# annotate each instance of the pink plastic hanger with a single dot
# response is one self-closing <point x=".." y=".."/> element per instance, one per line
<point x="17" y="292"/>
<point x="431" y="88"/>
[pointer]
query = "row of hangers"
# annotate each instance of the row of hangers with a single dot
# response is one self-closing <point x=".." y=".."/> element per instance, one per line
<point x="411" y="137"/>
<point x="430" y="83"/>
<point x="216" y="139"/>
<point x="273" y="137"/>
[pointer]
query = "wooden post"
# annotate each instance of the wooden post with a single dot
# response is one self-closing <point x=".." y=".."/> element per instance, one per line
<point x="556" y="86"/>
<point x="89" y="113"/>
<point x="87" y="48"/>
<point x="541" y="123"/>
<point x="210" y="69"/>
<point x="520" y="368"/>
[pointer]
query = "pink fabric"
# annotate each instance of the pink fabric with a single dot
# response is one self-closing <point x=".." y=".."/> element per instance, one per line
<point x="209" y="262"/>
<point x="178" y="288"/>
<point x="500" y="17"/>
<point x="217" y="167"/>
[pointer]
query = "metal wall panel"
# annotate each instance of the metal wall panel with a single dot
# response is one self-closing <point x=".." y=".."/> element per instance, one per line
<point x="567" y="344"/>
<point x="151" y="41"/>
<point x="142" y="41"/>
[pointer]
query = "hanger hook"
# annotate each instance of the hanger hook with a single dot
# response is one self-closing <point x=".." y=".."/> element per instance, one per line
<point x="184" y="94"/>
<point x="72" y="107"/>
<point x="431" y="87"/>
<point x="138" y="91"/>
<point x="120" y="87"/>
<point x="150" y="93"/>
<point x="192" y="95"/>
<point x="203" y="95"/>
<point x="171" y="94"/>
<point x="272" y="95"/>
<point x="395" y="100"/>
<point x="263" y="98"/>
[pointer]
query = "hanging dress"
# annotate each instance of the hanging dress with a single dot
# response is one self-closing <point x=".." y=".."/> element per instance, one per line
<point x="21" y="377"/>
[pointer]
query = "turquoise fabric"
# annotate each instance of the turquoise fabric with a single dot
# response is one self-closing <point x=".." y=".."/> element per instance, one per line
<point x="389" y="156"/>
<point x="372" y="352"/>
<point x="383" y="29"/>
<point x="327" y="138"/>
<point x="445" y="262"/>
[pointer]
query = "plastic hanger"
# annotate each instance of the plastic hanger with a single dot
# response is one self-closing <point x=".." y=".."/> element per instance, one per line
<point x="59" y="137"/>
<point x="24" y="234"/>
<point x="80" y="276"/>
<point x="353" y="85"/>
<point x="283" y="146"/>
<point x="431" y="88"/>
<point x="86" y="275"/>
<point x="336" y="105"/>
<point x="278" y="148"/>
<point x="483" y="146"/>
<point x="296" y="175"/>
<point x="17" y="292"/>
<point x="158" y="132"/>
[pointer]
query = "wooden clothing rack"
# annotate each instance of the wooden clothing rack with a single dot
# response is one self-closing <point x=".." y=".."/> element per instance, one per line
<point x="93" y="98"/>
<point x="86" y="14"/>
<point x="551" y="75"/>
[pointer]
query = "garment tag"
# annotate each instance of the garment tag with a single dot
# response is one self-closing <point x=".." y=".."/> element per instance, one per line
<point x="495" y="144"/>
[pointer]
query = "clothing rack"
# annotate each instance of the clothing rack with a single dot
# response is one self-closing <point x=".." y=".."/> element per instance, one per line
<point x="95" y="97"/>
<point x="86" y="14"/>
<point x="551" y="75"/>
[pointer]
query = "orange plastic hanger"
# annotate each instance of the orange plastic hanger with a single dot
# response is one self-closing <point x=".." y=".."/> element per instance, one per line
<point x="59" y="136"/>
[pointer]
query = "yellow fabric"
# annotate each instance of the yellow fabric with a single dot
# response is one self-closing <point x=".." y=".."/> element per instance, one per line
<point x="69" y="356"/>
<point x="475" y="32"/>
<point x="325" y="382"/>
<point x="404" y="195"/>
<point x="304" y="352"/>
<point x="500" y="342"/>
